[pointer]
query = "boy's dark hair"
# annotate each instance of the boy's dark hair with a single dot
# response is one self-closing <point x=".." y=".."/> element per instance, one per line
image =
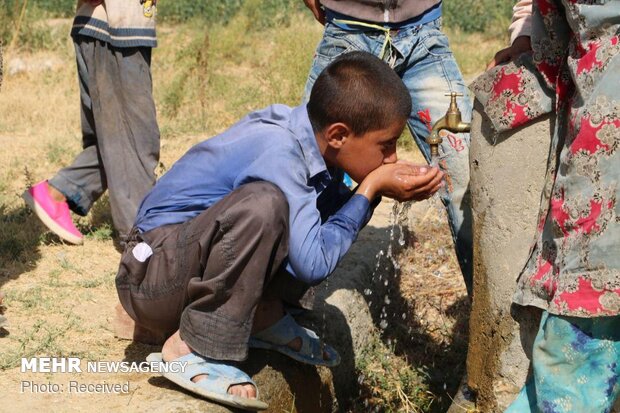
<point x="359" y="90"/>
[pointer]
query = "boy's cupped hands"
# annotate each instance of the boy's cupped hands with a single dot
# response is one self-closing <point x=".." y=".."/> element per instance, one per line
<point x="402" y="181"/>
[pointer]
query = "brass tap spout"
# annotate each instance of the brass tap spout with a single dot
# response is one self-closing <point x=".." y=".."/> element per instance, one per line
<point x="451" y="121"/>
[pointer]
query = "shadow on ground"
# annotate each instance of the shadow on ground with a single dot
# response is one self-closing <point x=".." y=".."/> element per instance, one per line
<point x="21" y="233"/>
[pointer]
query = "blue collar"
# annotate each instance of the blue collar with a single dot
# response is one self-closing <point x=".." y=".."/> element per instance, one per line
<point x="301" y="127"/>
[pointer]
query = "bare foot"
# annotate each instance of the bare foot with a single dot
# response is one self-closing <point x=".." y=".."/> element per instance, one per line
<point x="126" y="328"/>
<point x="56" y="194"/>
<point x="175" y="347"/>
<point x="270" y="312"/>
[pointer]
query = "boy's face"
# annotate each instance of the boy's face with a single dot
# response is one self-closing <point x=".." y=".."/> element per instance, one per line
<point x="361" y="154"/>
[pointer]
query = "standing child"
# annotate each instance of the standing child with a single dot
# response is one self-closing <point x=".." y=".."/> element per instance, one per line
<point x="251" y="218"/>
<point x="113" y="40"/>
<point x="573" y="272"/>
<point x="407" y="34"/>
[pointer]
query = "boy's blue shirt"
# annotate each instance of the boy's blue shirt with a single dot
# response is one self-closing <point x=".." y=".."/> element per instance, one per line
<point x="277" y="145"/>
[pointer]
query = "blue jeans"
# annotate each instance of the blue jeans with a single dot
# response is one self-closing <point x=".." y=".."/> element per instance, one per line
<point x="422" y="58"/>
<point x="576" y="367"/>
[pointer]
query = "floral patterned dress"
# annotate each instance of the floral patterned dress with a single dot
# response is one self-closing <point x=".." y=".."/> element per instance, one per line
<point x="574" y="71"/>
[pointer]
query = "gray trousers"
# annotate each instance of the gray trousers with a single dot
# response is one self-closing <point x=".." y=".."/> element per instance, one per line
<point x="207" y="276"/>
<point x="120" y="137"/>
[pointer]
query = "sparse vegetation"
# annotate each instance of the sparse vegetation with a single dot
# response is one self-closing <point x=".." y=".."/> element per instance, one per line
<point x="41" y="338"/>
<point x="465" y="15"/>
<point x="389" y="383"/>
<point x="478" y="16"/>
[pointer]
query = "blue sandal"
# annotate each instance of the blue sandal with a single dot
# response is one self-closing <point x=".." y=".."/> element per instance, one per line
<point x="215" y="386"/>
<point x="286" y="330"/>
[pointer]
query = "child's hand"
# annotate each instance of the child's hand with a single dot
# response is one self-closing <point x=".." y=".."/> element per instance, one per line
<point x="522" y="44"/>
<point x="402" y="181"/>
<point x="316" y="9"/>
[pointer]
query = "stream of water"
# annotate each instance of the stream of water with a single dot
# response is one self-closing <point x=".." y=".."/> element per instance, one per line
<point x="443" y="192"/>
<point x="399" y="221"/>
<point x="382" y="273"/>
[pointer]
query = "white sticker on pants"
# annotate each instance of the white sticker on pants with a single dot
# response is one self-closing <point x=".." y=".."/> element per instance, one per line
<point x="142" y="251"/>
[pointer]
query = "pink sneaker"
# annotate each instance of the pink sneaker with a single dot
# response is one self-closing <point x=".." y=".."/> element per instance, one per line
<point x="55" y="215"/>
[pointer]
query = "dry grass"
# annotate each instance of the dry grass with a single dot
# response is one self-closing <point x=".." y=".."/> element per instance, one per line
<point x="435" y="331"/>
<point x="422" y="349"/>
<point x="474" y="50"/>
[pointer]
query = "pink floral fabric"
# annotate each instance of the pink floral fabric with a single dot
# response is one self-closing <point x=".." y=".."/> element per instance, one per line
<point x="574" y="70"/>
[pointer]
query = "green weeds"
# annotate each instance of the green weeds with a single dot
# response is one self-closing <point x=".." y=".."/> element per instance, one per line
<point x="58" y="153"/>
<point x="102" y="233"/>
<point x="23" y="24"/>
<point x="40" y="339"/>
<point x="389" y="383"/>
<point x="478" y="15"/>
<point x="466" y="15"/>
<point x="19" y="234"/>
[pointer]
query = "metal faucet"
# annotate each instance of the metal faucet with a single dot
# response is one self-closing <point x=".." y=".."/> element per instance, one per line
<point x="451" y="122"/>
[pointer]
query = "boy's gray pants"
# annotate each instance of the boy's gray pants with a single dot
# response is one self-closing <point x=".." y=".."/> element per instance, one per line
<point x="207" y="275"/>
<point x="120" y="137"/>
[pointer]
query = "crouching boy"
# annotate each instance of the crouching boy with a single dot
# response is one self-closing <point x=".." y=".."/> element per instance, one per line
<point x="249" y="219"/>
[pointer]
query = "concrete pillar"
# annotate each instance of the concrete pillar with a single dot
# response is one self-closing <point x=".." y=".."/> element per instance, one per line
<point x="507" y="176"/>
